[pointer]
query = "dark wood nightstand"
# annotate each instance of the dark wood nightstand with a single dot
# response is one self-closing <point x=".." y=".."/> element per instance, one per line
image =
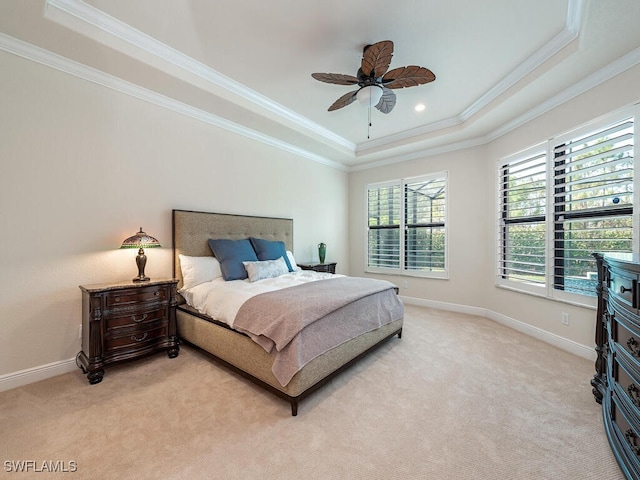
<point x="126" y="320"/>
<point x="319" y="267"/>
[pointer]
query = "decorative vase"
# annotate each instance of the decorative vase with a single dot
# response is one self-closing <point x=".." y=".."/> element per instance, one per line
<point x="322" y="251"/>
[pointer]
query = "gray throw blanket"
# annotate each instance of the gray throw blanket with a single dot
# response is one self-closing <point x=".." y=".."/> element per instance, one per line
<point x="299" y="323"/>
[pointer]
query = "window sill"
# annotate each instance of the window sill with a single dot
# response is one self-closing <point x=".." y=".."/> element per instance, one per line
<point x="437" y="276"/>
<point x="575" y="303"/>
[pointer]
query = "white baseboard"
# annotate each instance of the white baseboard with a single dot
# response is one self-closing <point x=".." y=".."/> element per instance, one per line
<point x="551" y="338"/>
<point x="31" y="375"/>
<point x="35" y="374"/>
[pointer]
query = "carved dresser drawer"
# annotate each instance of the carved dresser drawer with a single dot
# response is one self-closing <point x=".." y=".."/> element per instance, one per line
<point x="617" y="379"/>
<point x="125" y="321"/>
<point x="624" y="437"/>
<point x="627" y="382"/>
<point x="623" y="286"/>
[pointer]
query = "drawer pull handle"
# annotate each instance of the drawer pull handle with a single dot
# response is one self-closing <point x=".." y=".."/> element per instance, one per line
<point x="623" y="289"/>
<point x="157" y="294"/>
<point x="631" y="436"/>
<point x="634" y="347"/>
<point x="634" y="393"/>
<point x="138" y="320"/>
<point x="117" y="299"/>
<point x="133" y="337"/>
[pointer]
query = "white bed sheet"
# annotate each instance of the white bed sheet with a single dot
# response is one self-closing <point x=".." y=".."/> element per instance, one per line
<point x="221" y="300"/>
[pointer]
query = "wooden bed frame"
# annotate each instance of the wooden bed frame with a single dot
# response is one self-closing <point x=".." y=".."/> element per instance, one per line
<point x="191" y="232"/>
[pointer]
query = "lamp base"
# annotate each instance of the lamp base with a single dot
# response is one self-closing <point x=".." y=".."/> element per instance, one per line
<point x="141" y="261"/>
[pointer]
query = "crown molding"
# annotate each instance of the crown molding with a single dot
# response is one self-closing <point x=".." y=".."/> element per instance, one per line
<point x="134" y="38"/>
<point x="610" y="71"/>
<point x="423" y="153"/>
<point x="606" y="73"/>
<point x="49" y="59"/>
<point x="570" y="33"/>
<point x="63" y="64"/>
<point x="44" y="57"/>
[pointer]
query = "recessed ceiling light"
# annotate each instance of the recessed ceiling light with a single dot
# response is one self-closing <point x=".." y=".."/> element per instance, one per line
<point x="420" y="107"/>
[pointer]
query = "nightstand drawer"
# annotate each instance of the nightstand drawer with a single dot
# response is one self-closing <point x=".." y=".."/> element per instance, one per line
<point x="137" y="338"/>
<point x="136" y="317"/>
<point x="137" y="296"/>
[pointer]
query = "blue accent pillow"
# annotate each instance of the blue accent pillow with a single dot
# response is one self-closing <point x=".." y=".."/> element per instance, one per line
<point x="231" y="254"/>
<point x="270" y="250"/>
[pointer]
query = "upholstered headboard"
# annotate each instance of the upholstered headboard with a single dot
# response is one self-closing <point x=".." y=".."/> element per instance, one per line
<point x="192" y="231"/>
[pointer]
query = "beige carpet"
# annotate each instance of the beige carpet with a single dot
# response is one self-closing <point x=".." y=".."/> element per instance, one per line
<point x="458" y="397"/>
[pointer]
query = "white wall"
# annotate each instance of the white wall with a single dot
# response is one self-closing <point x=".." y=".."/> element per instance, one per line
<point x="83" y="167"/>
<point x="467" y="215"/>
<point x="472" y="213"/>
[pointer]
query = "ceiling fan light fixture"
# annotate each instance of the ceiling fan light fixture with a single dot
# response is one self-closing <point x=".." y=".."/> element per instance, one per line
<point x="369" y="95"/>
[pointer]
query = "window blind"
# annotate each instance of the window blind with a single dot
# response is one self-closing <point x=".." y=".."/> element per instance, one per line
<point x="593" y="203"/>
<point x="384" y="210"/>
<point x="522" y="222"/>
<point x="406" y="227"/>
<point x="424" y="219"/>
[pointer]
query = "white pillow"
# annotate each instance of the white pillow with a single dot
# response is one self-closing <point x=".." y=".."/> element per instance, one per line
<point x="266" y="269"/>
<point x="292" y="261"/>
<point x="197" y="270"/>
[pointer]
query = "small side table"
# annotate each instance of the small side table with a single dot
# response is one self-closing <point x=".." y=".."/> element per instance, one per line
<point x="122" y="321"/>
<point x="319" y="267"/>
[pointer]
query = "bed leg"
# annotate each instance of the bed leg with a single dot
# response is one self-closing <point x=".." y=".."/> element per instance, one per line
<point x="294" y="408"/>
<point x="400" y="334"/>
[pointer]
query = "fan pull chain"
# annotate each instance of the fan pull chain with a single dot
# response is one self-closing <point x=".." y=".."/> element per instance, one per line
<point x="369" y="126"/>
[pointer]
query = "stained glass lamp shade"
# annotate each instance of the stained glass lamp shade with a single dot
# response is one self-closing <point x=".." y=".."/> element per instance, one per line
<point x="141" y="241"/>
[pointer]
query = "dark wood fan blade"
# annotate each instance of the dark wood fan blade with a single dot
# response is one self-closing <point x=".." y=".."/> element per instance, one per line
<point x="410" y="76"/>
<point x="343" y="101"/>
<point x="336" y="78"/>
<point x="376" y="58"/>
<point x="387" y="101"/>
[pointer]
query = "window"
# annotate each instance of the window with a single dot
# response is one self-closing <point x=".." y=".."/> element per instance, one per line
<point x="406" y="228"/>
<point x="560" y="203"/>
<point x="523" y="228"/>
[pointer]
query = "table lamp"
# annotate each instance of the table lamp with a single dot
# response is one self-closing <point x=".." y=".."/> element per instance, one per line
<point x="141" y="241"/>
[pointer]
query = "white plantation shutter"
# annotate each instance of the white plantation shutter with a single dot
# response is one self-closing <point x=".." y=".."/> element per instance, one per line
<point x="593" y="203"/>
<point x="424" y="219"/>
<point x="522" y="222"/>
<point x="384" y="204"/>
<point x="561" y="202"/>
<point x="406" y="227"/>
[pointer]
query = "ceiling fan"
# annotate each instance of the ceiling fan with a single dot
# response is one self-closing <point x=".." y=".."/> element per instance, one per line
<point x="374" y="81"/>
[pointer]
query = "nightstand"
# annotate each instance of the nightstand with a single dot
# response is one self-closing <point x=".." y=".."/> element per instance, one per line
<point x="319" y="267"/>
<point x="123" y="321"/>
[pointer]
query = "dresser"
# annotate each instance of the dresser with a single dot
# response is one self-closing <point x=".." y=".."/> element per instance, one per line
<point x="123" y="321"/>
<point x="616" y="383"/>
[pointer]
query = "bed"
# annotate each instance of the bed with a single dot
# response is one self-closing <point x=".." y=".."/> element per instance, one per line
<point x="236" y="349"/>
